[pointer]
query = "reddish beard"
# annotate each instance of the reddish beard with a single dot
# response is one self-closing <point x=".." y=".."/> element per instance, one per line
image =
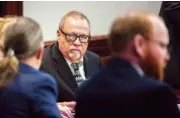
<point x="153" y="67"/>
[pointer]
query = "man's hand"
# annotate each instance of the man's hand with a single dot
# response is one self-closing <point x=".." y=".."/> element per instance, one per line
<point x="66" y="109"/>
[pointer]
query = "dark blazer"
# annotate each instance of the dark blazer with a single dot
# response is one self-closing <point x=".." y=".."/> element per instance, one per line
<point x="31" y="94"/>
<point x="170" y="11"/>
<point x="55" y="64"/>
<point x="118" y="91"/>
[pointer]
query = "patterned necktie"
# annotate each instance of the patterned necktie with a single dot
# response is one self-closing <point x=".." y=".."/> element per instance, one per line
<point x="77" y="74"/>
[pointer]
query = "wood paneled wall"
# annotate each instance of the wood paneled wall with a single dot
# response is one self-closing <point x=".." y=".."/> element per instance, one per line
<point x="11" y="8"/>
<point x="98" y="44"/>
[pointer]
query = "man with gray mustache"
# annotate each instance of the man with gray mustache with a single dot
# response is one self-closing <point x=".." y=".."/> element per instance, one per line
<point x="68" y="59"/>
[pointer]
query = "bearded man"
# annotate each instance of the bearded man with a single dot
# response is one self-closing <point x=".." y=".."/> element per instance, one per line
<point x="130" y="85"/>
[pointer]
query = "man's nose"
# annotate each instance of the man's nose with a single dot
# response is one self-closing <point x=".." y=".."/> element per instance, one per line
<point x="77" y="42"/>
<point x="167" y="58"/>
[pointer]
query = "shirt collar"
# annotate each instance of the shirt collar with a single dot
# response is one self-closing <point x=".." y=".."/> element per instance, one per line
<point x="138" y="69"/>
<point x="69" y="62"/>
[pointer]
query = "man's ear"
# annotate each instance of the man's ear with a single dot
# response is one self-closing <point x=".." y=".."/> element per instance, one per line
<point x="40" y="53"/>
<point x="58" y="32"/>
<point x="140" y="45"/>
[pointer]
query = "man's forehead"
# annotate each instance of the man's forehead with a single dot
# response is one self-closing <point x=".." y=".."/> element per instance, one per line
<point x="163" y="36"/>
<point x="76" y="23"/>
<point x="159" y="29"/>
<point x="75" y="20"/>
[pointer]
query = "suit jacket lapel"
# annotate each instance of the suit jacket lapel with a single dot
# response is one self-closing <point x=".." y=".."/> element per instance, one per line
<point x="63" y="68"/>
<point x="87" y="67"/>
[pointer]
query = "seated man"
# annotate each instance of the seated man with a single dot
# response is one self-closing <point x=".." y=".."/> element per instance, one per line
<point x="68" y="59"/>
<point x="129" y="84"/>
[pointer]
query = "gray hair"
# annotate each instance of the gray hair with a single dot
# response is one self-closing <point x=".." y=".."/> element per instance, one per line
<point x="24" y="36"/>
<point x="22" y="39"/>
<point x="75" y="14"/>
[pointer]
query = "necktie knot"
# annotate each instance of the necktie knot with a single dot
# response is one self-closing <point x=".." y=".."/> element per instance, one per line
<point x="77" y="74"/>
<point x="76" y="65"/>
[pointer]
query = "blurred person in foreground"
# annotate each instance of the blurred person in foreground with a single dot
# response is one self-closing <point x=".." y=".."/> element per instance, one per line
<point x="3" y="22"/>
<point x="130" y="84"/>
<point x="25" y="92"/>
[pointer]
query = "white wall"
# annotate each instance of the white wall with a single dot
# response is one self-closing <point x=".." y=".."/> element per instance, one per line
<point x="100" y="14"/>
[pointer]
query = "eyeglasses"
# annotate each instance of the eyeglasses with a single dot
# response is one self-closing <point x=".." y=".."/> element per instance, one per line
<point x="162" y="45"/>
<point x="72" y="37"/>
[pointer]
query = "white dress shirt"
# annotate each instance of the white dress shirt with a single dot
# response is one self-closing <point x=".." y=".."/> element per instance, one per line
<point x="138" y="69"/>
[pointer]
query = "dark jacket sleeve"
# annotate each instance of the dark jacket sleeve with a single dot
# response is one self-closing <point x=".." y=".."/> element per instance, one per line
<point x="169" y="12"/>
<point x="166" y="102"/>
<point x="165" y="9"/>
<point x="45" y="95"/>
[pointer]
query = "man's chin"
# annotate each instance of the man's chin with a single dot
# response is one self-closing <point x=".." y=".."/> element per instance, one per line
<point x="75" y="59"/>
<point x="75" y="55"/>
<point x="156" y="73"/>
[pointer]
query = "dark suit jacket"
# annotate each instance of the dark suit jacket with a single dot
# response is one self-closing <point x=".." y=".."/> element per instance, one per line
<point x="31" y="94"/>
<point x="118" y="91"/>
<point x="170" y="11"/>
<point x="55" y="64"/>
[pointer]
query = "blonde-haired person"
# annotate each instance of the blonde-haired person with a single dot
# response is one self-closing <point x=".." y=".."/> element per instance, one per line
<point x="3" y="22"/>
<point x="25" y="92"/>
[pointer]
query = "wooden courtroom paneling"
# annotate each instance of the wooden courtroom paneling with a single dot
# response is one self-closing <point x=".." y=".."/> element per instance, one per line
<point x="98" y="45"/>
<point x="11" y="8"/>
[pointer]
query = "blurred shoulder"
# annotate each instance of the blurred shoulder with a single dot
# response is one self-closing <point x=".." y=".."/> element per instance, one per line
<point x="156" y="85"/>
<point x="45" y="77"/>
<point x="91" y="55"/>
